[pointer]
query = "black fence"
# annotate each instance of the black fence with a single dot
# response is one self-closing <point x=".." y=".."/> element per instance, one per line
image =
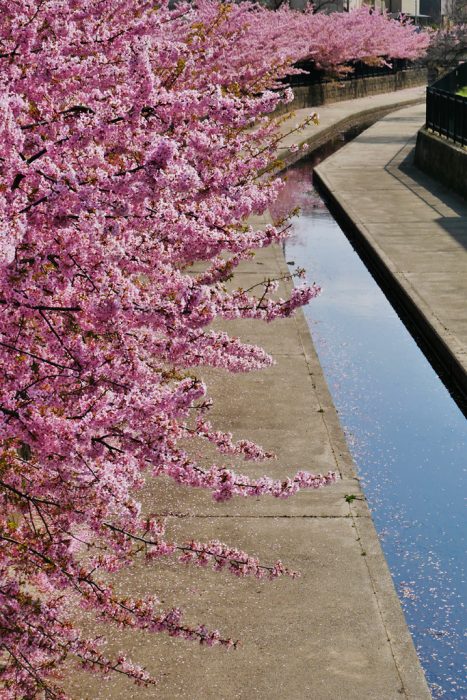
<point x="446" y="112"/>
<point x="357" y="70"/>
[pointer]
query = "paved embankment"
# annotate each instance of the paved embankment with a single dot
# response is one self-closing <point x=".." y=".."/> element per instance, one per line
<point x="413" y="228"/>
<point x="340" y="117"/>
<point x="336" y="633"/>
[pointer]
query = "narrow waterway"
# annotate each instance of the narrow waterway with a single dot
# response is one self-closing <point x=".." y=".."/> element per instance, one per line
<point x="407" y="435"/>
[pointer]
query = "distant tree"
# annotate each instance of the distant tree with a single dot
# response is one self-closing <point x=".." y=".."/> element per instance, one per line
<point x="448" y="44"/>
<point x="456" y="11"/>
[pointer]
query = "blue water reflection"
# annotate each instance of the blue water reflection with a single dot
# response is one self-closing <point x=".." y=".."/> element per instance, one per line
<point x="406" y="434"/>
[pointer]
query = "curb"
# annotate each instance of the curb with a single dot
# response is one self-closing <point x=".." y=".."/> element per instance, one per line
<point x="437" y="343"/>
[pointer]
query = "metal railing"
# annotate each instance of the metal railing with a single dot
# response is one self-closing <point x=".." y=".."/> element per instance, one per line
<point x="446" y="112"/>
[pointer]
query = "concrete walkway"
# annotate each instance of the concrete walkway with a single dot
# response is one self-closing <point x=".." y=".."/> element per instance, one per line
<point x="339" y="117"/>
<point x="336" y="633"/>
<point x="412" y="226"/>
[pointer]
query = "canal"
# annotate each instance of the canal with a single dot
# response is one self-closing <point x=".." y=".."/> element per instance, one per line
<point x="407" y="436"/>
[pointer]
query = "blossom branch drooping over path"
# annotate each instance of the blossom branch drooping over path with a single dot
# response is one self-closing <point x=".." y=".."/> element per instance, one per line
<point x="127" y="155"/>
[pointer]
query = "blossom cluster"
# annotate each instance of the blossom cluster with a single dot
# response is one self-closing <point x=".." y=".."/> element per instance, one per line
<point x="330" y="41"/>
<point x="127" y="155"/>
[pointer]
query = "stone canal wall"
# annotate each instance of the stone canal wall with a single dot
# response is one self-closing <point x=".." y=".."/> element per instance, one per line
<point x="339" y="91"/>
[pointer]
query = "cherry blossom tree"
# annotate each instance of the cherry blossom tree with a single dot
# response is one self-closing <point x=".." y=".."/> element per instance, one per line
<point x="128" y="153"/>
<point x="330" y="40"/>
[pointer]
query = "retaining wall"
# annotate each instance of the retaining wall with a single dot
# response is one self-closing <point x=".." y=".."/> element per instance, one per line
<point x="336" y="91"/>
<point x="442" y="160"/>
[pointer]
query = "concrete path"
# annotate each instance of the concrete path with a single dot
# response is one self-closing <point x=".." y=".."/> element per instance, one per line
<point x="339" y="117"/>
<point x="411" y="225"/>
<point x="336" y="633"/>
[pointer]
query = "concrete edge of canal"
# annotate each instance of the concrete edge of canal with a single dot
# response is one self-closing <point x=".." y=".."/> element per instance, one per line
<point x="414" y="684"/>
<point x="432" y="323"/>
<point x="408" y="664"/>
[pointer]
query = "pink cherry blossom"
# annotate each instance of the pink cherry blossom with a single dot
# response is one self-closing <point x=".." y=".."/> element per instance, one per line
<point x="127" y="157"/>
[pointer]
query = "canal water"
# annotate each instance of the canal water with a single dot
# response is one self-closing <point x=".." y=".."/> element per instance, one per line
<point x="406" y="434"/>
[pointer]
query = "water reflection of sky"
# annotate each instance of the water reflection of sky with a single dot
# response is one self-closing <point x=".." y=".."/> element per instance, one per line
<point x="407" y="436"/>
